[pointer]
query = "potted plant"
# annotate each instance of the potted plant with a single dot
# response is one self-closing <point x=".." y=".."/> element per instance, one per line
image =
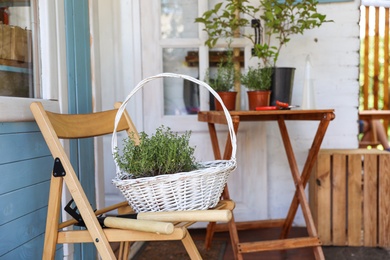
<point x="223" y="82"/>
<point x="258" y="82"/>
<point x="280" y="19"/>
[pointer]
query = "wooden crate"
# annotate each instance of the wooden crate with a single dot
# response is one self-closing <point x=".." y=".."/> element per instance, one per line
<point x="349" y="195"/>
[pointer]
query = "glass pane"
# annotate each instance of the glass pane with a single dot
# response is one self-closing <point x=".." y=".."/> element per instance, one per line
<point x="177" y="19"/>
<point x="181" y="97"/>
<point x="16" y="66"/>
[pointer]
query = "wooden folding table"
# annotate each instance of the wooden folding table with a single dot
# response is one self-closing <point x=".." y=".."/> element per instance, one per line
<point x="323" y="116"/>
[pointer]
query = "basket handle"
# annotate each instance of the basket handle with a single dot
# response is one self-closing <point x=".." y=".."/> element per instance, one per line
<point x="232" y="134"/>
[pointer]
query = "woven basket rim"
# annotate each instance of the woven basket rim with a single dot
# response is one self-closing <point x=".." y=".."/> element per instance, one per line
<point x="222" y="165"/>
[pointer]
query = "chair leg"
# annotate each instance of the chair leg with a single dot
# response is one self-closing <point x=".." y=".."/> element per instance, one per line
<point x="126" y="250"/>
<point x="121" y="247"/>
<point x="210" y="230"/>
<point x="52" y="218"/>
<point x="190" y="246"/>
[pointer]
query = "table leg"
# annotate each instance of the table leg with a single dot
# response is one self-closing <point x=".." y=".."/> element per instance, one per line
<point x="225" y="195"/>
<point x="313" y="152"/>
<point x="214" y="141"/>
<point x="301" y="181"/>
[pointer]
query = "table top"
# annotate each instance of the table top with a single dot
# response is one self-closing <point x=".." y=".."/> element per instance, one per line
<point x="267" y="115"/>
<point x="374" y="114"/>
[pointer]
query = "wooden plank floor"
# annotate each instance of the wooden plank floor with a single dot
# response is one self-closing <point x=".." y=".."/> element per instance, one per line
<point x="330" y="252"/>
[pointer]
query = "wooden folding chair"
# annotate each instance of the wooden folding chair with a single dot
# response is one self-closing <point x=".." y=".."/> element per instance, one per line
<point x="103" y="230"/>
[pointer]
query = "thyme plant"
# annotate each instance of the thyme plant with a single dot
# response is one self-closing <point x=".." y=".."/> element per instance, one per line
<point x="225" y="76"/>
<point x="164" y="152"/>
<point x="257" y="78"/>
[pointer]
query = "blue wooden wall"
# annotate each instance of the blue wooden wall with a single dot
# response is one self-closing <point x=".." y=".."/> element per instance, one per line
<point x="25" y="170"/>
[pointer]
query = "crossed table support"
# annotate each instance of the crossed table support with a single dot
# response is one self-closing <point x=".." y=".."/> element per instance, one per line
<point x="324" y="117"/>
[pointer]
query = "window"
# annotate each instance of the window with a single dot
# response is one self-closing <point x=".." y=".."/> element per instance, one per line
<point x="47" y="70"/>
<point x="16" y="49"/>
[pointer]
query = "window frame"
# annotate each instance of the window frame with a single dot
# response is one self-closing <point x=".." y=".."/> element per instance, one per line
<point x="49" y="66"/>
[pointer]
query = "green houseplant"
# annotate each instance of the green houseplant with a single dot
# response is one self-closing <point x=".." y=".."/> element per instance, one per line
<point x="164" y="152"/>
<point x="223" y="82"/>
<point x="280" y="19"/>
<point x="258" y="82"/>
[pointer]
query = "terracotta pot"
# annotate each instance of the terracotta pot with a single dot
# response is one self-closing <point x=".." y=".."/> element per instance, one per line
<point x="258" y="98"/>
<point x="228" y="98"/>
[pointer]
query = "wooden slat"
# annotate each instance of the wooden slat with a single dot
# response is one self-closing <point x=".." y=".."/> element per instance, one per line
<point x="384" y="201"/>
<point x="7" y="3"/>
<point x="386" y="60"/>
<point x="368" y="206"/>
<point x="24" y="146"/>
<point x="376" y="59"/>
<point x="313" y="193"/>
<point x="18" y="127"/>
<point x="32" y="250"/>
<point x="355" y="197"/>
<point x="366" y="56"/>
<point x="386" y="104"/>
<point x="339" y="199"/>
<point x="370" y="200"/>
<point x="218" y="117"/>
<point x="281" y="244"/>
<point x="117" y="235"/>
<point x="29" y="172"/>
<point x="246" y="225"/>
<point x="21" y="230"/>
<point x="80" y="125"/>
<point x="16" y="204"/>
<point x="323" y="183"/>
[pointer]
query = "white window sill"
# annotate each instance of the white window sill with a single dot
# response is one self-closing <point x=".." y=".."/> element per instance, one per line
<point x="15" y="109"/>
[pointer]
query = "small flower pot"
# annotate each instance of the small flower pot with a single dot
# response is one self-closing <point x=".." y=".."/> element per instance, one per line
<point x="228" y="98"/>
<point x="258" y="98"/>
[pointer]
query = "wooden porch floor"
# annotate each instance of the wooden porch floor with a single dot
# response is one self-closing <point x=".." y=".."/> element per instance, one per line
<point x="332" y="253"/>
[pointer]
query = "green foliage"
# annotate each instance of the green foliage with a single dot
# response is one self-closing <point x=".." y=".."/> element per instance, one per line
<point x="280" y="19"/>
<point x="283" y="19"/>
<point x="163" y="153"/>
<point x="222" y="22"/>
<point x="257" y="78"/>
<point x="225" y="76"/>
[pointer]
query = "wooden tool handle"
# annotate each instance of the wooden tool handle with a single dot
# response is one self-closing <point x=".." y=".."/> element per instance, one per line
<point x="139" y="225"/>
<point x="192" y="215"/>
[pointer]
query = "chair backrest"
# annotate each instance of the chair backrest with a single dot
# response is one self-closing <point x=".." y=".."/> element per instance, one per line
<point x="73" y="126"/>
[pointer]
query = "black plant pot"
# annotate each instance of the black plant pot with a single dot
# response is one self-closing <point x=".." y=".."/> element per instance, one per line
<point x="282" y="85"/>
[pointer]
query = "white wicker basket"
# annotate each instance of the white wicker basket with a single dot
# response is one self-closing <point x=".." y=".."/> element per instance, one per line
<point x="196" y="190"/>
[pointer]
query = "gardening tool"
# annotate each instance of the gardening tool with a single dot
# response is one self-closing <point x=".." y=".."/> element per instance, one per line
<point x="123" y="223"/>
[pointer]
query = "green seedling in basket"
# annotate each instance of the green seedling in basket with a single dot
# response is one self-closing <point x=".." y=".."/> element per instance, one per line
<point x="164" y="152"/>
